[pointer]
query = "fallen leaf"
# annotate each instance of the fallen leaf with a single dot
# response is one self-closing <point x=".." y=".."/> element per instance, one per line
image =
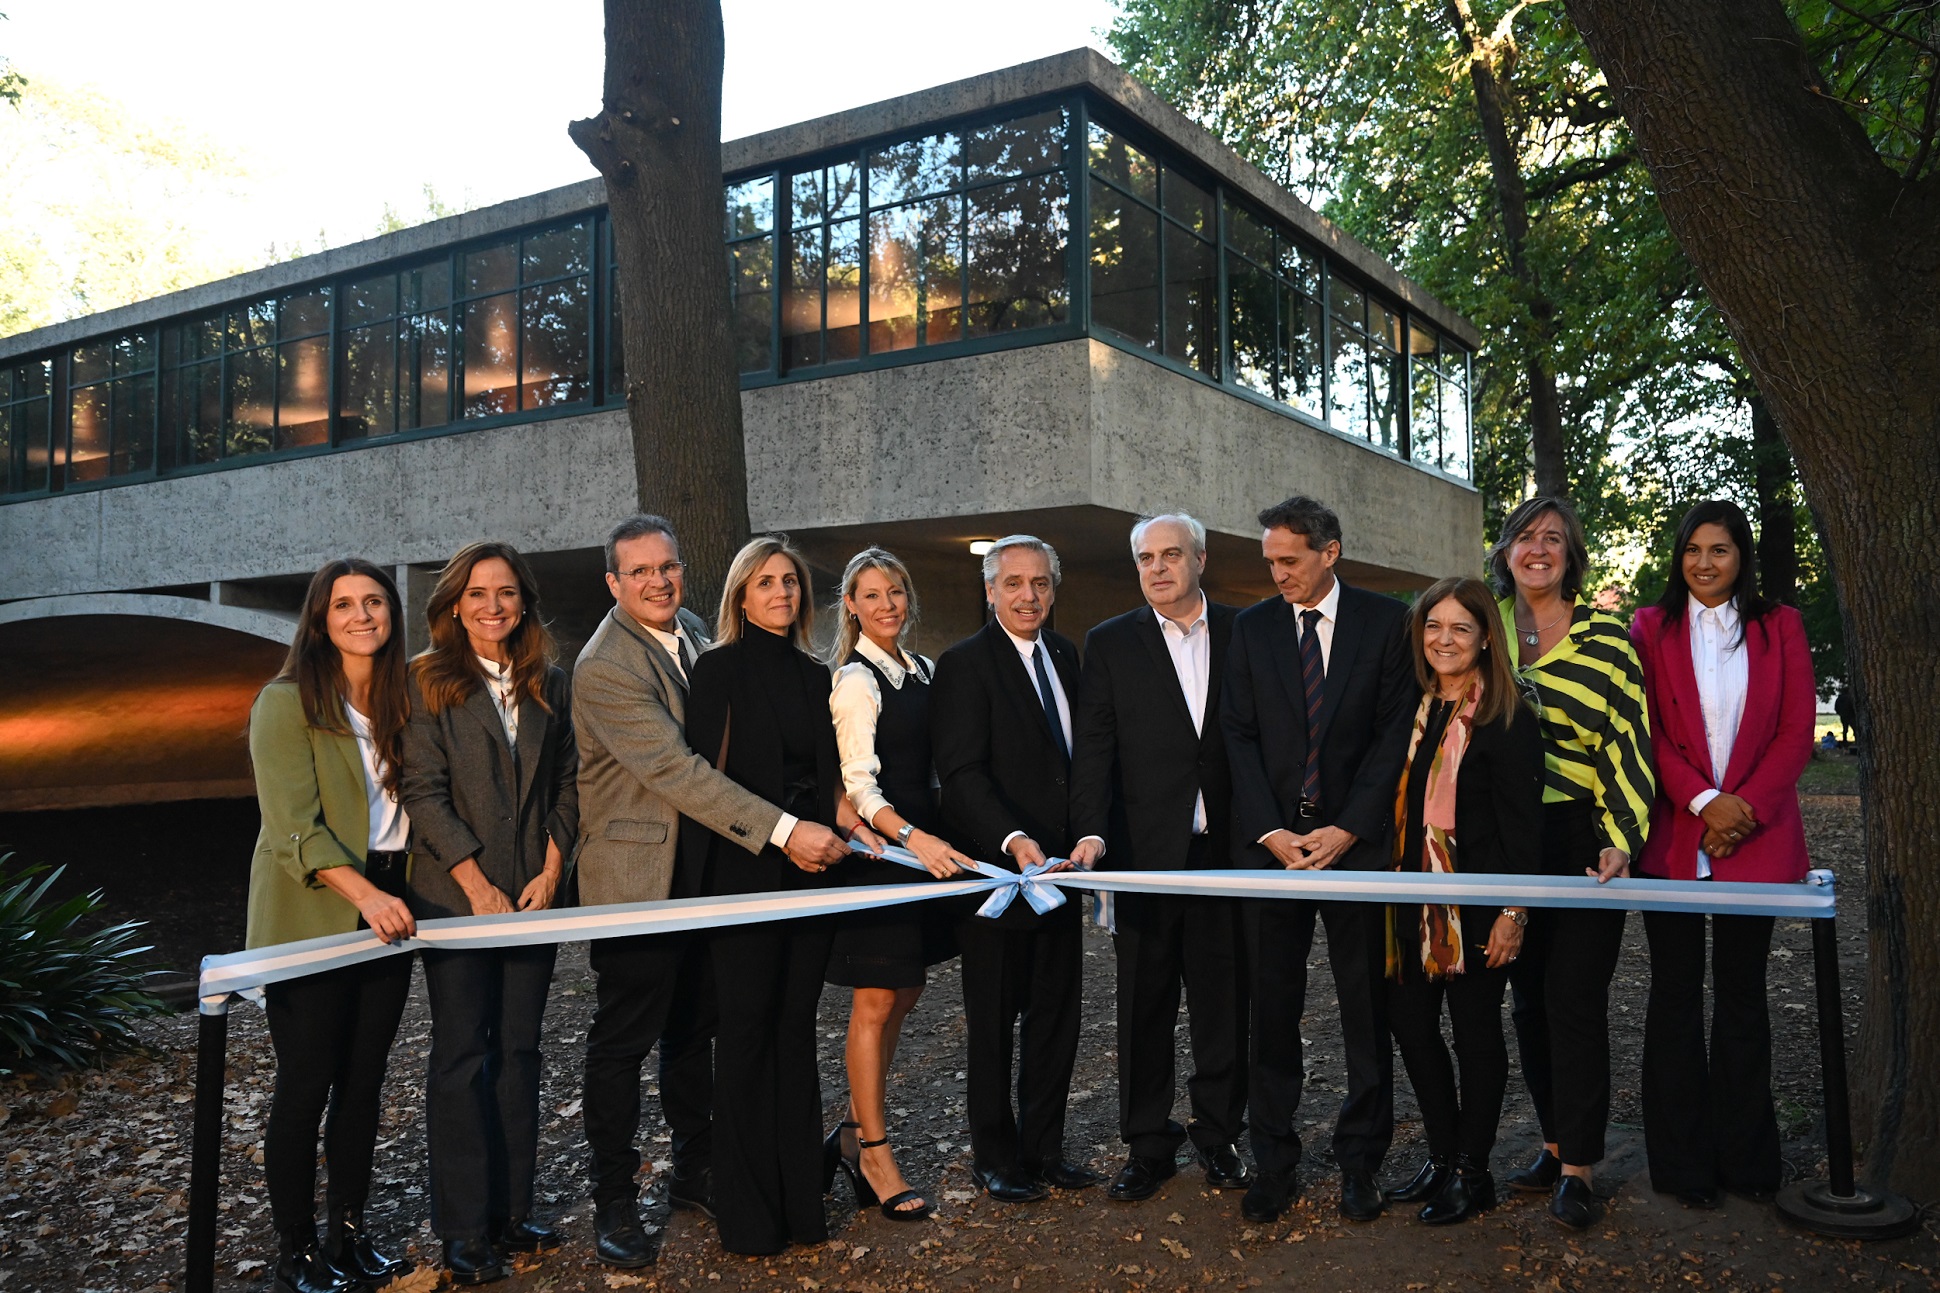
<point x="1177" y="1249"/>
<point x="624" y="1281"/>
<point x="1176" y="1219"/>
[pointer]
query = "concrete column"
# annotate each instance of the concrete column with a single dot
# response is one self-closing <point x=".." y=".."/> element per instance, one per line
<point x="414" y="584"/>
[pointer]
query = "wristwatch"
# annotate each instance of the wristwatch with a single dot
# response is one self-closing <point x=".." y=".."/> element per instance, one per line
<point x="902" y="836"/>
<point x="1520" y="917"/>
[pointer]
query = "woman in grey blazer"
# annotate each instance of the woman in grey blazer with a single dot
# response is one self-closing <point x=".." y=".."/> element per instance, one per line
<point x="490" y="782"/>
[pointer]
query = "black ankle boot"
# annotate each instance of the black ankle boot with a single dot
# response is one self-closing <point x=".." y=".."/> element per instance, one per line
<point x="301" y="1269"/>
<point x="1470" y="1189"/>
<point x="1428" y="1182"/>
<point x="350" y="1253"/>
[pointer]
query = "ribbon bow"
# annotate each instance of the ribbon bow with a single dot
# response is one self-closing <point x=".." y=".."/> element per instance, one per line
<point x="1041" y="897"/>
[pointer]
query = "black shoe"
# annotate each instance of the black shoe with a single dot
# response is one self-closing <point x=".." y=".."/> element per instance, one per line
<point x="1360" y="1197"/>
<point x="621" y="1240"/>
<point x="832" y="1155"/>
<point x="1468" y="1190"/>
<point x="693" y="1192"/>
<point x="474" y="1261"/>
<point x="1702" y="1197"/>
<point x="1427" y="1183"/>
<point x="1224" y="1170"/>
<point x="1539" y="1177"/>
<point x="1573" y="1204"/>
<point x="1140" y="1178"/>
<point x="1005" y="1188"/>
<point x="350" y="1252"/>
<point x="1751" y="1193"/>
<point x="1268" y="1197"/>
<point x="526" y="1236"/>
<point x="300" y="1268"/>
<point x="1069" y="1176"/>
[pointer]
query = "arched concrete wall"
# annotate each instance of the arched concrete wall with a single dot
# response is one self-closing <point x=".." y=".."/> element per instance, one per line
<point x="240" y="619"/>
<point x="129" y="698"/>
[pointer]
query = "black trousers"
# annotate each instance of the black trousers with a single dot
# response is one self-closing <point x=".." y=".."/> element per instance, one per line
<point x="1561" y="984"/>
<point x="1458" y="1119"/>
<point x="1027" y="979"/>
<point x="652" y="988"/>
<point x="481" y="1099"/>
<point x="768" y="1182"/>
<point x="1279" y="939"/>
<point x="332" y="1033"/>
<point x="1708" y="1120"/>
<point x="1164" y="942"/>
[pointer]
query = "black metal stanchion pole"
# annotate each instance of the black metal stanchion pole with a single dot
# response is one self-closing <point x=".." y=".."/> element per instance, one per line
<point x="205" y="1160"/>
<point x="1839" y="1207"/>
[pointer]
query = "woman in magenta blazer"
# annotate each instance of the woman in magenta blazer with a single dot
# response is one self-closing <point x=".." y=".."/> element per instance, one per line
<point x="1732" y="707"/>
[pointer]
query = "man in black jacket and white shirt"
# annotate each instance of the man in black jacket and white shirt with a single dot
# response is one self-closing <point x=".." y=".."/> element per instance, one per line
<point x="1151" y="790"/>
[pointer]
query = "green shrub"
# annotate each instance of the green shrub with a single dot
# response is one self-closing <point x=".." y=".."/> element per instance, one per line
<point x="68" y="997"/>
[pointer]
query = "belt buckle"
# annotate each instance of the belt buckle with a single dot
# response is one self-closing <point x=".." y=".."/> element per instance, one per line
<point x="1308" y="810"/>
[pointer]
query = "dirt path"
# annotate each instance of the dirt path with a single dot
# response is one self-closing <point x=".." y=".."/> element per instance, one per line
<point x="92" y="1191"/>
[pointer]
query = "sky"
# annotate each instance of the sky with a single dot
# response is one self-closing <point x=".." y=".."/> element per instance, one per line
<point x="340" y="109"/>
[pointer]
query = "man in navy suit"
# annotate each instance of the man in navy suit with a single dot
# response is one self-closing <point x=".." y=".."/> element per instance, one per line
<point x="1319" y="695"/>
<point x="1000" y="728"/>
<point x="1150" y="791"/>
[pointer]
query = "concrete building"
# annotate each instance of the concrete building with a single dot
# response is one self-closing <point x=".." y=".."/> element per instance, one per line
<point x="1038" y="300"/>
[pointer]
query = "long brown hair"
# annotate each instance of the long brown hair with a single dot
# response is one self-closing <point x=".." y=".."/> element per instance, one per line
<point x="848" y="629"/>
<point x="1501" y="701"/>
<point x="317" y="668"/>
<point x="728" y="621"/>
<point x="447" y="671"/>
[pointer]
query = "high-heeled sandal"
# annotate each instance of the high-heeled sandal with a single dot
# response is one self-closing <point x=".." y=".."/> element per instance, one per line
<point x="833" y="1157"/>
<point x="865" y="1193"/>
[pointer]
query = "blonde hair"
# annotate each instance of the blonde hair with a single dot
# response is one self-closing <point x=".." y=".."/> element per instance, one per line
<point x="754" y="554"/>
<point x="848" y="629"/>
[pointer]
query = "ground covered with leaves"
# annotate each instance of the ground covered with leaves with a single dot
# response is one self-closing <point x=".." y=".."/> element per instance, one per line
<point x="94" y="1185"/>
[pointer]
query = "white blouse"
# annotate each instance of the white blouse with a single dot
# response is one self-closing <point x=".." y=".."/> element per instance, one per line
<point x="390" y="828"/>
<point x="855" y="703"/>
<point x="1723" y="678"/>
<point x="505" y="699"/>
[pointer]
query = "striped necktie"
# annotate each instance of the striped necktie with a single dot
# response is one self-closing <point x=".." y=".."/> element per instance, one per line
<point x="1313" y="674"/>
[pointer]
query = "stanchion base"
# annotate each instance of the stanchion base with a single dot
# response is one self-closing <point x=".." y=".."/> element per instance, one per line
<point x="1863" y="1215"/>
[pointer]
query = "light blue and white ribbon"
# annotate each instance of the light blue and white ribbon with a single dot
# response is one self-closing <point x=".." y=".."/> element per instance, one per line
<point x="1041" y="889"/>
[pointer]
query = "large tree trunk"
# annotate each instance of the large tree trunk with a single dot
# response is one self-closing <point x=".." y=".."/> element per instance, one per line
<point x="657" y="142"/>
<point x="1490" y="59"/>
<point x="1826" y="266"/>
<point x="1778" y="507"/>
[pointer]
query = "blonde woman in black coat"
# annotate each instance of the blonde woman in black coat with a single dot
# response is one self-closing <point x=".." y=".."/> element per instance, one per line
<point x="489" y="779"/>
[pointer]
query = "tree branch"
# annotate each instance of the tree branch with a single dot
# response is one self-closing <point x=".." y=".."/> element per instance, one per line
<point x="1587" y="171"/>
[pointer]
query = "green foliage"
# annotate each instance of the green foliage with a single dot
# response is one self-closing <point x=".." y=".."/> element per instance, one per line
<point x="68" y="996"/>
<point x="1369" y="111"/>
<point x="98" y="209"/>
<point x="1881" y="59"/>
<point x="435" y="208"/>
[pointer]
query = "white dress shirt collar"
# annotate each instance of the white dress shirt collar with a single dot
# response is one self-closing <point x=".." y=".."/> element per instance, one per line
<point x="1194" y="625"/>
<point x="1328" y="606"/>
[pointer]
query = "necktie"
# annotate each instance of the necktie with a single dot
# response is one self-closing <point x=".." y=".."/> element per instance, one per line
<point x="1050" y="699"/>
<point x="1313" y="674"/>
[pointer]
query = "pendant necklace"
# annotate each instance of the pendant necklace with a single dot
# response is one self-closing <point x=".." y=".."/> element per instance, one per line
<point x="1534" y="635"/>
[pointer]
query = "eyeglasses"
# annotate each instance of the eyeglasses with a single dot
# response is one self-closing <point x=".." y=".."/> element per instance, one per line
<point x="670" y="571"/>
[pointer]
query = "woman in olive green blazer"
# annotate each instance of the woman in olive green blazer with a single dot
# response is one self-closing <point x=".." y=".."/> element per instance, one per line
<point x="326" y="738"/>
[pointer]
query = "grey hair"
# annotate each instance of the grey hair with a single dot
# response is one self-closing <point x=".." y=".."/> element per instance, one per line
<point x="1192" y="524"/>
<point x="639" y="525"/>
<point x="1027" y="541"/>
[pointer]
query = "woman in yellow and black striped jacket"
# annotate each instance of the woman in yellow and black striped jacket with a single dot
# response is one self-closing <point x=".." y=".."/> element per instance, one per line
<point x="1579" y="673"/>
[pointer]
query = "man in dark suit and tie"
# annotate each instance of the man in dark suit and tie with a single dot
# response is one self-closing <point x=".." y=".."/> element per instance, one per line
<point x="1319" y="692"/>
<point x="1000" y="722"/>
<point x="1150" y="790"/>
<point x="637" y="780"/>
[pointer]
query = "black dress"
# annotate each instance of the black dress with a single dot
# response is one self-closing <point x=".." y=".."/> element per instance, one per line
<point x="890" y="947"/>
<point x="770" y="704"/>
